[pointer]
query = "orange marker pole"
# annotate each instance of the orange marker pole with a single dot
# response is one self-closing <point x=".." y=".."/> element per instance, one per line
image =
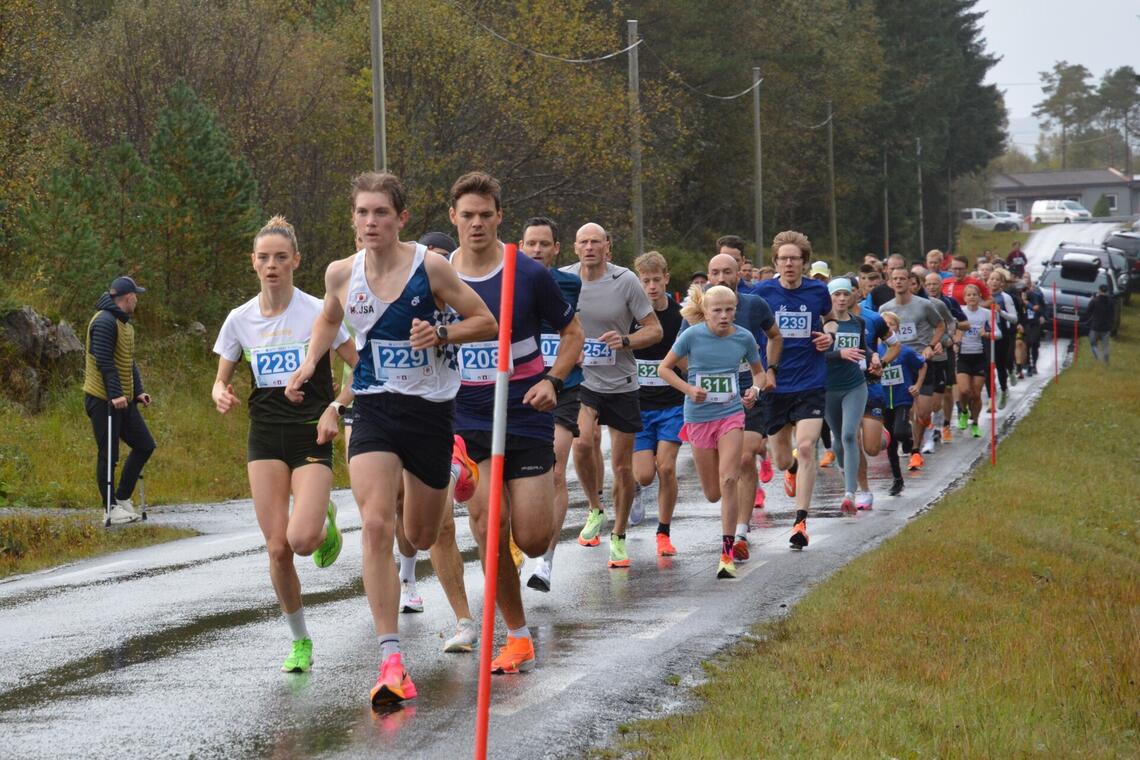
<point x="993" y="385"/>
<point x="1056" y="356"/>
<point x="494" y="507"/>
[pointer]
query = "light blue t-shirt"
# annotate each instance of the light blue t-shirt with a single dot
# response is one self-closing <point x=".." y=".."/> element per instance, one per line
<point x="713" y="364"/>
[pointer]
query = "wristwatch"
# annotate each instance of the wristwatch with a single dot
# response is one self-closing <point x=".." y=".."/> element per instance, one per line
<point x="774" y="369"/>
<point x="339" y="407"/>
<point x="441" y="333"/>
<point x="558" y="384"/>
<point x="625" y="341"/>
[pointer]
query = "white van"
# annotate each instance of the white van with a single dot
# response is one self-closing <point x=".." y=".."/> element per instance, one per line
<point x="1051" y="212"/>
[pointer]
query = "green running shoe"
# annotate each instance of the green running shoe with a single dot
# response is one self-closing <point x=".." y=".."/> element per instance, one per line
<point x="595" y="518"/>
<point x="618" y="557"/>
<point x="301" y="658"/>
<point x="329" y="549"/>
<point x="975" y="430"/>
<point x="963" y="420"/>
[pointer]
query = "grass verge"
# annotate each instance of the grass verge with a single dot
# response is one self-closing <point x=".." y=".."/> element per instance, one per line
<point x="1003" y="623"/>
<point x="972" y="242"/>
<point x="30" y="542"/>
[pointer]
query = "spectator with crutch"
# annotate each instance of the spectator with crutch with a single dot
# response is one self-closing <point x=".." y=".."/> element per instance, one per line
<point x="112" y="388"/>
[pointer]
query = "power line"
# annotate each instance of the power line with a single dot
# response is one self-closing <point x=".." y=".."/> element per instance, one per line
<point x="697" y="90"/>
<point x="538" y="53"/>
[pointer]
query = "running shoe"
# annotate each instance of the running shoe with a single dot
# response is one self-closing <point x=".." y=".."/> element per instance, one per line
<point x="517" y="555"/>
<point x="121" y="515"/>
<point x="540" y="577"/>
<point x="468" y="471"/>
<point x="665" y="547"/>
<point x="947" y="434"/>
<point x="963" y="420"/>
<point x="761" y="497"/>
<point x="936" y="433"/>
<point x="827" y="459"/>
<point x="928" y="443"/>
<point x="517" y="656"/>
<point x="799" y="537"/>
<point x="975" y="430"/>
<point x="1002" y="399"/>
<point x="464" y="638"/>
<point x="916" y="461"/>
<point x="896" y="487"/>
<point x="300" y="658"/>
<point x="637" y="509"/>
<point x="864" y="500"/>
<point x="740" y="551"/>
<point x="618" y="557"/>
<point x="847" y="506"/>
<point x="595" y="519"/>
<point x="329" y="549"/>
<point x="1012" y="380"/>
<point x="394" y="684"/>
<point x="886" y="439"/>
<point x="410" y="600"/>
<point x="766" y="470"/>
<point x="726" y="568"/>
<point x="790" y="484"/>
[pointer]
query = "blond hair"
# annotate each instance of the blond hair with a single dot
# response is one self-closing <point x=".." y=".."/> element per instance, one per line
<point x="791" y="237"/>
<point x="651" y="261"/>
<point x="278" y="225"/>
<point x="891" y="317"/>
<point x="694" y="310"/>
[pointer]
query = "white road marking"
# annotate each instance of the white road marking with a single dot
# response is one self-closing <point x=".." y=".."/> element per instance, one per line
<point x="748" y="567"/>
<point x="227" y="539"/>
<point x="670" y="620"/>
<point x="540" y="689"/>
<point x="91" y="570"/>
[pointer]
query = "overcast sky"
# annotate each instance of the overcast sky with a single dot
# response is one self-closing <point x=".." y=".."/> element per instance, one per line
<point x="1031" y="35"/>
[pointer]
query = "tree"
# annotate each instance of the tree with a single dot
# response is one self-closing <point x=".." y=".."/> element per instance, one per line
<point x="1119" y="98"/>
<point x="1069" y="102"/>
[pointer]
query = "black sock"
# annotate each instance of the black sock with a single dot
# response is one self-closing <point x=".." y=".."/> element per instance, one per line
<point x="726" y="544"/>
<point x="620" y="535"/>
<point x="795" y="466"/>
<point x="663" y="528"/>
<point x="801" y="515"/>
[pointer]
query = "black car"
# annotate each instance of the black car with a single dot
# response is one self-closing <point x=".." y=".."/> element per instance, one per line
<point x="1077" y="278"/>
<point x="1112" y="259"/>
<point x="1129" y="243"/>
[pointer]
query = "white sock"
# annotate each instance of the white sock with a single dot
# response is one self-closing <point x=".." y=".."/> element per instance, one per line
<point x="549" y="556"/>
<point x="519" y="633"/>
<point x="389" y="644"/>
<point x="408" y="568"/>
<point x="296" y="621"/>
<point x="742" y="531"/>
<point x="936" y="420"/>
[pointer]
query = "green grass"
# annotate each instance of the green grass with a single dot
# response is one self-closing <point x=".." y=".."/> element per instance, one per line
<point x="48" y="460"/>
<point x="972" y="242"/>
<point x="1003" y="623"/>
<point x="30" y="542"/>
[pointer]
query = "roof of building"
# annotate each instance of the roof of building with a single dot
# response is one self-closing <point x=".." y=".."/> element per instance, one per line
<point x="1070" y="178"/>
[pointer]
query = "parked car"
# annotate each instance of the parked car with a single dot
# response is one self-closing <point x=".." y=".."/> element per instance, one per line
<point x="1010" y="216"/>
<point x="1077" y="279"/>
<point x="1051" y="212"/>
<point x="1129" y="243"/>
<point x="985" y="220"/>
<point x="1112" y="259"/>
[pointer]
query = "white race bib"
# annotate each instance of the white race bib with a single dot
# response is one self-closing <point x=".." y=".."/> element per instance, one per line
<point x="272" y="365"/>
<point x="794" y="324"/>
<point x="647" y="373"/>
<point x="397" y="360"/>
<point x="549" y="343"/>
<point x="908" y="333"/>
<point x="719" y="387"/>
<point x="849" y="340"/>
<point x="892" y="375"/>
<point x="595" y="352"/>
<point x="974" y="332"/>
<point x="479" y="361"/>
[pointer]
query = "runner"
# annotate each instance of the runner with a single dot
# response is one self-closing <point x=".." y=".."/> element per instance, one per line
<point x="404" y="386"/>
<point x="528" y="490"/>
<point x="662" y="407"/>
<point x="797" y="376"/>
<point x="940" y="370"/>
<point x="955" y="286"/>
<point x="540" y="242"/>
<point x="973" y="358"/>
<point x="1032" y="322"/>
<point x="714" y="412"/>
<point x="288" y="452"/>
<point x="611" y="300"/>
<point x="950" y="339"/>
<point x="871" y="431"/>
<point x="902" y="382"/>
<point x="755" y="316"/>
<point x="846" y="397"/>
<point x="1007" y="320"/>
<point x="921" y="328"/>
<point x="1016" y="260"/>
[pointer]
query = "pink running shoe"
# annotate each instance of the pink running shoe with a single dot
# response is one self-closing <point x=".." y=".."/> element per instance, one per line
<point x="760" y="497"/>
<point x="766" y="470"/>
<point x="468" y="471"/>
<point x="394" y="684"/>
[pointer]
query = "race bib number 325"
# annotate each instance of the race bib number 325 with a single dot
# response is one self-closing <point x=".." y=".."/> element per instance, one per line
<point x="272" y="365"/>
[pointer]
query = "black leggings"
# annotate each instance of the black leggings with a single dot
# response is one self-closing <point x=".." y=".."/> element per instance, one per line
<point x="126" y="425"/>
<point x="1001" y="360"/>
<point x="897" y="423"/>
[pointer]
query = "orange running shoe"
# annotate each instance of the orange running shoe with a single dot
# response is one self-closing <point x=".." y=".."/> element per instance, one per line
<point x="394" y="684"/>
<point x="790" y="484"/>
<point x="947" y="434"/>
<point x="799" y="537"/>
<point x="517" y="656"/>
<point x="916" y="462"/>
<point x="740" y="551"/>
<point x="665" y="547"/>
<point x="827" y="459"/>
<point x="726" y="568"/>
<point x="468" y="471"/>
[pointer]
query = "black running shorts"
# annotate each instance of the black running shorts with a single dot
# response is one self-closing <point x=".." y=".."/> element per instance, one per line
<point x="418" y="431"/>
<point x="566" y="413"/>
<point x="974" y="365"/>
<point x="294" y="443"/>
<point x="620" y="411"/>
<point x="783" y="409"/>
<point x="524" y="457"/>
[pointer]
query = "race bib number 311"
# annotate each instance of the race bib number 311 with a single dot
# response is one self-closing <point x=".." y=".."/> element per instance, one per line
<point x="272" y="365"/>
<point x="720" y="388"/>
<point x="794" y="324"/>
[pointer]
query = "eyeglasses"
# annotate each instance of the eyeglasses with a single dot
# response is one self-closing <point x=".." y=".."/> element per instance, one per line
<point x="787" y="259"/>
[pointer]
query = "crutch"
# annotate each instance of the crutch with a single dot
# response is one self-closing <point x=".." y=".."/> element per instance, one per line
<point x="107" y="510"/>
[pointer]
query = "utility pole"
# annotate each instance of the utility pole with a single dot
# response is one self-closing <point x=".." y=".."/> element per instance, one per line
<point x="949" y="207"/>
<point x="918" y="163"/>
<point x="886" y="210"/>
<point x="758" y="215"/>
<point x="635" y="141"/>
<point x="831" y="171"/>
<point x="379" y="131"/>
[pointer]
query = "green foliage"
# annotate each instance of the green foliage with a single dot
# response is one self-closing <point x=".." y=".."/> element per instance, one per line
<point x="1101" y="207"/>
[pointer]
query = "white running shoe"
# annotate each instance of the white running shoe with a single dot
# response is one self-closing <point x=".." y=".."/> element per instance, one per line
<point x="410" y="600"/>
<point x="464" y="638"/>
<point x="637" y="510"/>
<point x="540" y="576"/>
<point x="864" y="500"/>
<point x="121" y="515"/>
<point x="928" y="441"/>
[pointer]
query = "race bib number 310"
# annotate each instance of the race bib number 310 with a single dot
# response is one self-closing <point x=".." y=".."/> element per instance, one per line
<point x="397" y="361"/>
<point x="595" y="353"/>
<point x="794" y="324"/>
<point x="272" y="365"/>
<point x="720" y="388"/>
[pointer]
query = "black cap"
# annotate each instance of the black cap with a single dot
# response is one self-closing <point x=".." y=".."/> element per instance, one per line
<point x="438" y="240"/>
<point x="123" y="285"/>
<point x="695" y="275"/>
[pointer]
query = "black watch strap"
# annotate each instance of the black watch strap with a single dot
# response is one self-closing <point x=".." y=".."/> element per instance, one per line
<point x="558" y="384"/>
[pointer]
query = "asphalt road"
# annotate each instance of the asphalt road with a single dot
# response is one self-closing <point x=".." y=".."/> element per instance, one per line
<point x="172" y="651"/>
